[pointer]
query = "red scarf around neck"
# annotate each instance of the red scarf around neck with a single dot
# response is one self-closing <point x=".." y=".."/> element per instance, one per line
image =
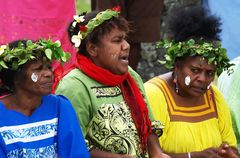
<point x="130" y="91"/>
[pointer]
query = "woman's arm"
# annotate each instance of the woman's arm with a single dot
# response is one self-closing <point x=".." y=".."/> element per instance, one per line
<point x="207" y="153"/>
<point x="154" y="149"/>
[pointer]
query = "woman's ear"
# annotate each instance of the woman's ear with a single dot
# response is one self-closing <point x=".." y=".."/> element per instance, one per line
<point x="176" y="71"/>
<point x="178" y="66"/>
<point x="92" y="49"/>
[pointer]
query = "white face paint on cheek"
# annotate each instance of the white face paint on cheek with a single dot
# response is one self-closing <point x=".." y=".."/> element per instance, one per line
<point x="187" y="80"/>
<point x="34" y="77"/>
<point x="114" y="56"/>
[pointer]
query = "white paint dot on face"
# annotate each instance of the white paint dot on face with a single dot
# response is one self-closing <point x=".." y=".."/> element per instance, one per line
<point x="187" y="80"/>
<point x="34" y="77"/>
<point x="114" y="55"/>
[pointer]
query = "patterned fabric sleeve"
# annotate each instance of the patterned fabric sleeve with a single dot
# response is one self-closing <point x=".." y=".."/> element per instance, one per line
<point x="157" y="128"/>
<point x="70" y="138"/>
<point x="225" y="122"/>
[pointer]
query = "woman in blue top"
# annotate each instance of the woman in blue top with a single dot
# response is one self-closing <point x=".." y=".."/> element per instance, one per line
<point x="33" y="123"/>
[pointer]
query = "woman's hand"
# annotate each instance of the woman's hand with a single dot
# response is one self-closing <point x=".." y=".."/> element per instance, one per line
<point x="227" y="151"/>
<point x="164" y="156"/>
<point x="207" y="153"/>
<point x="154" y="149"/>
<point x="161" y="155"/>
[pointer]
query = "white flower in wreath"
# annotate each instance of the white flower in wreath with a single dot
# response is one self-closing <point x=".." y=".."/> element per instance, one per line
<point x="77" y="19"/>
<point x="76" y="39"/>
<point x="58" y="43"/>
<point x="2" y="48"/>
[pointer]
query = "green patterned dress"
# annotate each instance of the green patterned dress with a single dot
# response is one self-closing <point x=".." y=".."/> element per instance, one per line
<point x="105" y="118"/>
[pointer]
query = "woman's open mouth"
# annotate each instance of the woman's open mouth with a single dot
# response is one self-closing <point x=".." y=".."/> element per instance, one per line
<point x="124" y="59"/>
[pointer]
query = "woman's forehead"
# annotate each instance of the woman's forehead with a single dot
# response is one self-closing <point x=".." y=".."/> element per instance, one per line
<point x="116" y="30"/>
<point x="39" y="61"/>
<point x="198" y="61"/>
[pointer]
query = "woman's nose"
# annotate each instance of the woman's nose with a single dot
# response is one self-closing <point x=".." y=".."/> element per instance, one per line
<point x="47" y="73"/>
<point x="125" y="45"/>
<point x="202" y="77"/>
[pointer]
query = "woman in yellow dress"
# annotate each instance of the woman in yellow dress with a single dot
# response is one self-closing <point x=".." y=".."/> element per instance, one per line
<point x="196" y="117"/>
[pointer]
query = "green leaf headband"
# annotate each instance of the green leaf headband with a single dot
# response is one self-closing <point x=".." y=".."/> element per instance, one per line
<point x="215" y="54"/>
<point x="84" y="30"/>
<point x="21" y="54"/>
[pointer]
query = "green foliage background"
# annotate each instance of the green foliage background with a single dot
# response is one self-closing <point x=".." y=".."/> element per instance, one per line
<point x="83" y="6"/>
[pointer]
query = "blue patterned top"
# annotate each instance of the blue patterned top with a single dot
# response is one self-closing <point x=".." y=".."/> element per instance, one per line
<point x="51" y="131"/>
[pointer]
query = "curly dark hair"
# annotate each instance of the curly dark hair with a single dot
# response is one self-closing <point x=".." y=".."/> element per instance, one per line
<point x="189" y="21"/>
<point x="98" y="32"/>
<point x="9" y="76"/>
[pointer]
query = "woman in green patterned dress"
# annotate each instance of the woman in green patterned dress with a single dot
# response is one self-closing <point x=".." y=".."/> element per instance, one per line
<point x="107" y="94"/>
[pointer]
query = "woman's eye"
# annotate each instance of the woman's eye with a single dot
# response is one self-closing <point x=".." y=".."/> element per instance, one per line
<point x="49" y="67"/>
<point x="195" y="70"/>
<point x="211" y="73"/>
<point x="38" y="68"/>
<point x="117" y="40"/>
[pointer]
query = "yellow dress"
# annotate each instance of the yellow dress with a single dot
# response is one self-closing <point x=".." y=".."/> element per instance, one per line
<point x="210" y="123"/>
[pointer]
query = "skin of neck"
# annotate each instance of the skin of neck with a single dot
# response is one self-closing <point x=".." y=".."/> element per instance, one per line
<point x="24" y="102"/>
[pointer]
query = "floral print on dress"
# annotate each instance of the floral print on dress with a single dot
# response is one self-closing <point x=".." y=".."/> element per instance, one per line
<point x="43" y="152"/>
<point x="29" y="132"/>
<point x="106" y="91"/>
<point x="112" y="129"/>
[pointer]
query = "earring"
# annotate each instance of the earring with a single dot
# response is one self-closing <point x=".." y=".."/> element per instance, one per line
<point x="176" y="88"/>
<point x="176" y="84"/>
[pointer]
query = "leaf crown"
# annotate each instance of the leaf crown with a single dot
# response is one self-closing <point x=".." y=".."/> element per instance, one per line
<point x="13" y="58"/>
<point x="85" y="29"/>
<point x="214" y="53"/>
